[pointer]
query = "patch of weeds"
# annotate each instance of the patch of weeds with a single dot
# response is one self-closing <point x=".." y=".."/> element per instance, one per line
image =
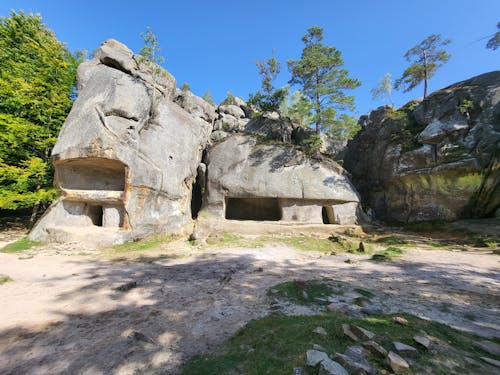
<point x="142" y="244"/>
<point x="4" y="279"/>
<point x="392" y="240"/>
<point x="303" y="292"/>
<point x="276" y="344"/>
<point x="364" y="292"/>
<point x="388" y="254"/>
<point x="344" y="244"/>
<point x="433" y="244"/>
<point x="306" y="243"/>
<point x="19" y="246"/>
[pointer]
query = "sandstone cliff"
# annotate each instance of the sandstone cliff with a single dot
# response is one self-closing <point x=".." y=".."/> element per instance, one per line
<point x="436" y="159"/>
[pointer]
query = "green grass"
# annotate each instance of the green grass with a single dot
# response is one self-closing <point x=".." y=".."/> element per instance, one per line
<point x="364" y="292"/>
<point x="142" y="245"/>
<point x="4" y="279"/>
<point x="303" y="292"/>
<point x="391" y="253"/>
<point x="306" y="243"/>
<point x="19" y="246"/>
<point x="276" y="344"/>
<point x="392" y="240"/>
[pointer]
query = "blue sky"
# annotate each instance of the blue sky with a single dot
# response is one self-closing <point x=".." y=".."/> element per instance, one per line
<point x="213" y="45"/>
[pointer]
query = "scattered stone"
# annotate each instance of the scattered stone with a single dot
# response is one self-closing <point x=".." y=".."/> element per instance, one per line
<point x="404" y="349"/>
<point x="361" y="247"/>
<point x="299" y="371"/>
<point x="372" y="310"/>
<point x="380" y="257"/>
<point x="139" y="336"/>
<point x="424" y="341"/>
<point x="489" y="347"/>
<point x="330" y="367"/>
<point x="127" y="286"/>
<point x="491" y="361"/>
<point x="362" y="301"/>
<point x="314" y="357"/>
<point x="319" y="347"/>
<point x="375" y="348"/>
<point x="340" y="308"/>
<point x="320" y="331"/>
<point x="362" y="333"/>
<point x="400" y="320"/>
<point x="305" y="295"/>
<point x="354" y="360"/>
<point x="397" y="363"/>
<point x="346" y="328"/>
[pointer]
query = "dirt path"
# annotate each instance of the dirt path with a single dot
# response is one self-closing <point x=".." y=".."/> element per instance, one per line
<point x="62" y="314"/>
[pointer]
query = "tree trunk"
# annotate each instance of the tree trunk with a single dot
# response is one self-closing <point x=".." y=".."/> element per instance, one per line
<point x="318" y="107"/>
<point x="425" y="74"/>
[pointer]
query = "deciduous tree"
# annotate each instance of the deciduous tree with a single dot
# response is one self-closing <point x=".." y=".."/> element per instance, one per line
<point x="494" y="41"/>
<point x="384" y="89"/>
<point x="426" y="58"/>
<point x="37" y="82"/>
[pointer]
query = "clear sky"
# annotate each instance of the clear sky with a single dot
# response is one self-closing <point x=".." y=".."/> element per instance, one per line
<point x="213" y="45"/>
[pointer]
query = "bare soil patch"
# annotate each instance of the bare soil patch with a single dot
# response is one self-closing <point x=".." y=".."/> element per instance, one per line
<point x="67" y="310"/>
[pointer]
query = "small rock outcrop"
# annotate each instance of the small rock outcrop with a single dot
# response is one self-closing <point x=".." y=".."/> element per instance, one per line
<point x="436" y="159"/>
<point x="127" y="155"/>
<point x="249" y="180"/>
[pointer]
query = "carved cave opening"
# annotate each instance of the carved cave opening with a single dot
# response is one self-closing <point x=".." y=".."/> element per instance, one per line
<point x="95" y="213"/>
<point x="327" y="215"/>
<point x="91" y="174"/>
<point x="258" y="209"/>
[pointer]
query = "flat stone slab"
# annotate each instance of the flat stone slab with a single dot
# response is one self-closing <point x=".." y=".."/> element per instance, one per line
<point x="397" y="363"/>
<point x="330" y="367"/>
<point x="488" y="346"/>
<point x="424" y="341"/>
<point x="315" y="357"/>
<point x="491" y="361"/>
<point x="403" y="348"/>
<point x="375" y="348"/>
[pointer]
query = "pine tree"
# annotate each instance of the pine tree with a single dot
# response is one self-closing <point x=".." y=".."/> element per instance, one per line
<point x="322" y="79"/>
<point x="428" y="56"/>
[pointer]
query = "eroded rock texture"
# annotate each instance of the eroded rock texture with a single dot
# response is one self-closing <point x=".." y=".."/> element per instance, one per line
<point x="436" y="159"/>
<point x="127" y="155"/>
<point x="251" y="180"/>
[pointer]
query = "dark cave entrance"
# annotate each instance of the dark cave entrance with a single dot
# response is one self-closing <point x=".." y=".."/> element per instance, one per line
<point x="327" y="215"/>
<point x="259" y="209"/>
<point x="95" y="213"/>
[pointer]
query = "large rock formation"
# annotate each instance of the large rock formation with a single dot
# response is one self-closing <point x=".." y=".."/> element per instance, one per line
<point x="250" y="180"/>
<point x="127" y="156"/>
<point x="432" y="159"/>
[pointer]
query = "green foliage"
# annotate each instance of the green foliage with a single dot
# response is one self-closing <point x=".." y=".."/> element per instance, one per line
<point x="302" y="292"/>
<point x="311" y="145"/>
<point x="384" y="89"/>
<point x="4" y="279"/>
<point x="207" y="96"/>
<point x="405" y="128"/>
<point x="19" y="246"/>
<point x="388" y="254"/>
<point x="345" y="127"/>
<point x="494" y="41"/>
<point x="37" y="77"/>
<point x="322" y="79"/>
<point x="230" y="99"/>
<point x="151" y="49"/>
<point x="297" y="108"/>
<point x="268" y="98"/>
<point x="185" y="87"/>
<point x="466" y="107"/>
<point x="428" y="56"/>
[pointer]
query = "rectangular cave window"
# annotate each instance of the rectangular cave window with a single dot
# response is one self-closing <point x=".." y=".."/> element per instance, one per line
<point x="95" y="213"/>
<point x="259" y="209"/>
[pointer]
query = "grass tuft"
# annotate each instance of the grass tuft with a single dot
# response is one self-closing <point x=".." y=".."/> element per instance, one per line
<point x="302" y="292"/>
<point x="19" y="246"/>
<point x="388" y="254"/>
<point x="4" y="279"/>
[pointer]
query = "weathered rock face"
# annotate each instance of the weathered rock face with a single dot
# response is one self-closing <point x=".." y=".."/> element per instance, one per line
<point x="248" y="180"/>
<point x="126" y="157"/>
<point x="195" y="105"/>
<point x="434" y="159"/>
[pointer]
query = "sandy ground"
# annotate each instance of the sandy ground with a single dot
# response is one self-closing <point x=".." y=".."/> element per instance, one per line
<point x="62" y="314"/>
